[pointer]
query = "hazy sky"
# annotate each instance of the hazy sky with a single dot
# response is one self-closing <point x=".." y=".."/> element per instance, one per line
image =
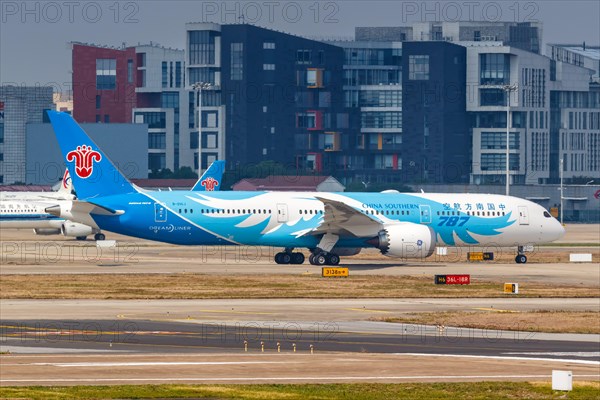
<point x="34" y="35"/>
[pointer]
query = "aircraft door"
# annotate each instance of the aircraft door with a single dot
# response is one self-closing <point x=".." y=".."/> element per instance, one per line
<point x="282" y="213"/>
<point x="425" y="214"/>
<point x="523" y="215"/>
<point x="160" y="213"/>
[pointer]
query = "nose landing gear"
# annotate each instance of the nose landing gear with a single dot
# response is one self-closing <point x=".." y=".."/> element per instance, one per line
<point x="521" y="258"/>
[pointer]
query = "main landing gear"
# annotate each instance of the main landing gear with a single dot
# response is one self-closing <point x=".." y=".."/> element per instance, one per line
<point x="288" y="257"/>
<point x="322" y="258"/>
<point x="317" y="257"/>
<point x="521" y="258"/>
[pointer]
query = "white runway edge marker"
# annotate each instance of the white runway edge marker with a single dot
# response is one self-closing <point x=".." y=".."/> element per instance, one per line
<point x="293" y="378"/>
<point x="158" y="363"/>
<point x="560" y="360"/>
<point x="559" y="353"/>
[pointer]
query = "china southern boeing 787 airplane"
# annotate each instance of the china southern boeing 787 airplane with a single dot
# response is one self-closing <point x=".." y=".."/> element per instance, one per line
<point x="329" y="224"/>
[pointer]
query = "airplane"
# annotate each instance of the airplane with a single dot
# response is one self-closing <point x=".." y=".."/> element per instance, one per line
<point x="330" y="225"/>
<point x="26" y="210"/>
<point x="64" y="192"/>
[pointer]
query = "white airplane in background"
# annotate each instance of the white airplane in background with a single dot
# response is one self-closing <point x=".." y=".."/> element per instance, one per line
<point x="64" y="192"/>
<point x="27" y="210"/>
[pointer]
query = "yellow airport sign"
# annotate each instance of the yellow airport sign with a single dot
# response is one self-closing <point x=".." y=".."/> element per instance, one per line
<point x="335" y="272"/>
<point x="511" y="288"/>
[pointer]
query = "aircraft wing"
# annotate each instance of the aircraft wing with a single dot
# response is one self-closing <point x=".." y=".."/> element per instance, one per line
<point x="82" y="212"/>
<point x="91" y="208"/>
<point x="344" y="220"/>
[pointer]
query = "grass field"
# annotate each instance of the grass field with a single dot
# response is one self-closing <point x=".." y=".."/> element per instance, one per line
<point x="408" y="391"/>
<point x="198" y="286"/>
<point x="530" y="321"/>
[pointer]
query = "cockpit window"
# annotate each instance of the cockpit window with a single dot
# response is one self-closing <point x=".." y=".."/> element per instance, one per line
<point x="547" y="215"/>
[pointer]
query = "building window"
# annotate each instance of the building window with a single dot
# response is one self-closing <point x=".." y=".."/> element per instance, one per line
<point x="98" y="119"/>
<point x="492" y="97"/>
<point x="2" y="132"/>
<point x="497" y="162"/>
<point x="494" y="69"/>
<point x="170" y="100"/>
<point x="98" y="101"/>
<point x="209" y="140"/>
<point x="269" y="67"/>
<point x="129" y="71"/>
<point x="303" y="56"/>
<point x="306" y="120"/>
<point x="156" y="161"/>
<point x="202" y="47"/>
<point x="106" y="74"/>
<point x="477" y="36"/>
<point x="178" y="74"/>
<point x="202" y="75"/>
<point x="384" y="161"/>
<point x="165" y="80"/>
<point x="106" y="118"/>
<point x="157" y="140"/>
<point x="497" y="140"/>
<point x="269" y="45"/>
<point x="237" y="61"/>
<point x="383" y="119"/>
<point x="155" y="120"/>
<point x="381" y="98"/>
<point x="418" y="68"/>
<point x="193" y="140"/>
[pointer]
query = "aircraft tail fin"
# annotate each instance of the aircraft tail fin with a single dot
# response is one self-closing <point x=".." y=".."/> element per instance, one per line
<point x="210" y="181"/>
<point x="92" y="173"/>
<point x="66" y="186"/>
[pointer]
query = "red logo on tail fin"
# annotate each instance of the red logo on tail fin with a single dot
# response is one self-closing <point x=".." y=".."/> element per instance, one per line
<point x="209" y="184"/>
<point x="84" y="158"/>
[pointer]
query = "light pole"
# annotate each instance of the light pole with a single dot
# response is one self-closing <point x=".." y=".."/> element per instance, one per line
<point x="561" y="191"/>
<point x="198" y="87"/>
<point x="508" y="89"/>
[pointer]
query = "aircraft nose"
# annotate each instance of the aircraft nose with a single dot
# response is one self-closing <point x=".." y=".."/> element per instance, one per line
<point x="557" y="231"/>
<point x="562" y="230"/>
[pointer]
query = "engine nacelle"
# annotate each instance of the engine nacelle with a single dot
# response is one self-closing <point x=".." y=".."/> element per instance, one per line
<point x="405" y="240"/>
<point x="46" y="231"/>
<point x="75" y="229"/>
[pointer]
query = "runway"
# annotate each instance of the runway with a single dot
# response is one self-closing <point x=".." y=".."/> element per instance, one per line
<point x="69" y="342"/>
<point x="366" y="337"/>
<point x="109" y="369"/>
<point x="295" y="310"/>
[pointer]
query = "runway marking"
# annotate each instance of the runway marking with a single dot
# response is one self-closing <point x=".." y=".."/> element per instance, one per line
<point x="560" y="353"/>
<point x="495" y="310"/>
<point x="159" y="363"/>
<point x="572" y="361"/>
<point x="368" y="310"/>
<point x="236" y="312"/>
<point x="293" y="378"/>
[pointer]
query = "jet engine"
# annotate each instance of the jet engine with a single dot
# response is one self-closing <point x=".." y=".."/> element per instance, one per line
<point x="406" y="240"/>
<point x="46" y="231"/>
<point x="75" y="229"/>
